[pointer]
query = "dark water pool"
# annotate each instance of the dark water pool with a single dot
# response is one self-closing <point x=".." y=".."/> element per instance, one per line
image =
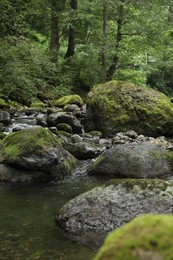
<point x="27" y="228"/>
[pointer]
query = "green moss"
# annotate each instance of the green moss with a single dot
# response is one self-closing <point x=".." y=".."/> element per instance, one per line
<point x="99" y="159"/>
<point x="64" y="127"/>
<point x="38" y="105"/>
<point x="145" y="237"/>
<point x="64" y="133"/>
<point x="71" y="99"/>
<point x="143" y="183"/>
<point x="32" y="140"/>
<point x="96" y="133"/>
<point x="155" y="154"/>
<point x="169" y="155"/>
<point x="69" y="163"/>
<point x="123" y="106"/>
<point x="3" y="104"/>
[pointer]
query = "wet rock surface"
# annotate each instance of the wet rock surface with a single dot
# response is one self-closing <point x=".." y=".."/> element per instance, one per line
<point x="89" y="217"/>
<point x="137" y="160"/>
<point x="36" y="150"/>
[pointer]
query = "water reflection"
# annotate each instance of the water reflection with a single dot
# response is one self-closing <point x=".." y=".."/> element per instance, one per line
<point x="27" y="229"/>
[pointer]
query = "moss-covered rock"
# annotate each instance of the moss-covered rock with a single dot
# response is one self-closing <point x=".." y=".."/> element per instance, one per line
<point x="3" y="104"/>
<point x="145" y="237"/>
<point x="64" y="127"/>
<point x="37" y="150"/>
<point x="38" y="104"/>
<point x="92" y="215"/>
<point x="120" y="106"/>
<point x="71" y="99"/>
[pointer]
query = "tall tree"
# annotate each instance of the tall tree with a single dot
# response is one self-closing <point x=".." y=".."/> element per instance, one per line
<point x="56" y="8"/>
<point x="114" y="63"/>
<point x="105" y="39"/>
<point x="72" y="30"/>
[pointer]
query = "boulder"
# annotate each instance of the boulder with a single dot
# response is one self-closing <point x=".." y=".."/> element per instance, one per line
<point x="89" y="217"/>
<point x="145" y="237"/>
<point x="71" y="99"/>
<point x="85" y="150"/>
<point x="37" y="150"/>
<point x="134" y="160"/>
<point x="120" y="106"/>
<point x="64" y="127"/>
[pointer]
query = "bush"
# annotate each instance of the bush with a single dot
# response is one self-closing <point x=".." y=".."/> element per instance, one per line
<point x="25" y="69"/>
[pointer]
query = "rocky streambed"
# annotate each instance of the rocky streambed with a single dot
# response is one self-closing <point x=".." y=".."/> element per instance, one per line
<point x="53" y="149"/>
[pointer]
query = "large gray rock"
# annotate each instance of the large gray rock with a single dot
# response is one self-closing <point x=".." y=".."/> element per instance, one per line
<point x="138" y="160"/>
<point x="36" y="150"/>
<point x="89" y="217"/>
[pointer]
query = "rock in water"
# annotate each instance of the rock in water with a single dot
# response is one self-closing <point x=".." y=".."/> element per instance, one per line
<point x="91" y="216"/>
<point x="134" y="160"/>
<point x="38" y="151"/>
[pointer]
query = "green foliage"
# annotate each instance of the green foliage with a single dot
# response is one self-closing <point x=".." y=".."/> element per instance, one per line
<point x="25" y="69"/>
<point x="144" y="51"/>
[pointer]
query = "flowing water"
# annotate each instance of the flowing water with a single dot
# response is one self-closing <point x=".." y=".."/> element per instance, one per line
<point x="27" y="213"/>
<point x="27" y="228"/>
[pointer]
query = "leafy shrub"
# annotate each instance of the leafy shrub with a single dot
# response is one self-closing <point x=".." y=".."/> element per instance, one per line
<point x="25" y="69"/>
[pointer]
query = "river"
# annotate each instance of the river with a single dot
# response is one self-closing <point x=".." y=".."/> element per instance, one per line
<point x="27" y="228"/>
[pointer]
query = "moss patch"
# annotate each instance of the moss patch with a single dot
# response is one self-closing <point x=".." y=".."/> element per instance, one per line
<point x="32" y="140"/>
<point x="71" y="99"/>
<point x="147" y="235"/>
<point x="3" y="104"/>
<point x="69" y="163"/>
<point x="143" y="183"/>
<point x="121" y="106"/>
<point x="64" y="127"/>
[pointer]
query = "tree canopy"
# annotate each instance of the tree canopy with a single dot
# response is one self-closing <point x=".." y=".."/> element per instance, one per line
<point x="69" y="45"/>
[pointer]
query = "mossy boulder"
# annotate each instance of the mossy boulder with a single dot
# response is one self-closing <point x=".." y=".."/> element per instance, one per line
<point x="71" y="99"/>
<point x="38" y="104"/>
<point x="145" y="237"/>
<point x="118" y="106"/>
<point x="89" y="217"/>
<point x="37" y="150"/>
<point x="134" y="160"/>
<point x="3" y="104"/>
<point x="64" y="127"/>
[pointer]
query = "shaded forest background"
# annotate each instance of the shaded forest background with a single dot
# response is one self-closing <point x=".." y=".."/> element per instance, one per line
<point x="60" y="47"/>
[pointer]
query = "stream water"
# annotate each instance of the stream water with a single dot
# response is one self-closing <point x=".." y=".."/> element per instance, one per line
<point x="27" y="228"/>
<point x="27" y="213"/>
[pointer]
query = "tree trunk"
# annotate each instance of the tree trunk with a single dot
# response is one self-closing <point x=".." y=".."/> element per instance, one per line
<point x="114" y="64"/>
<point x="72" y="32"/>
<point x="105" y="36"/>
<point x="56" y="8"/>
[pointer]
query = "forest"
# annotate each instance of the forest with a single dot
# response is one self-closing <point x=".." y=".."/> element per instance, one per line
<point x="86" y="129"/>
<point x="62" y="47"/>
